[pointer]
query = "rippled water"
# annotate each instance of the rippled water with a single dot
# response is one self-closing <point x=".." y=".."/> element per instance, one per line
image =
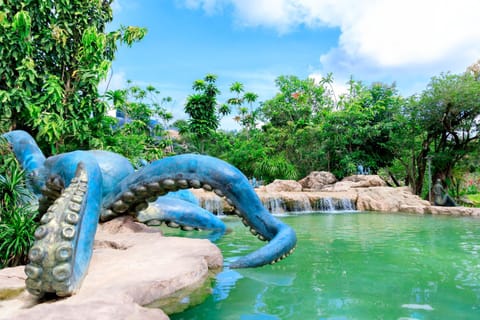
<point x="354" y="266"/>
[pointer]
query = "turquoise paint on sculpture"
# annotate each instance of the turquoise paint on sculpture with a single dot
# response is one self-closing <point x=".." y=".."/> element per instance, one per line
<point x="75" y="189"/>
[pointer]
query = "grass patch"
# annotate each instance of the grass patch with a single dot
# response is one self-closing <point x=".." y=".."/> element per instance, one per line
<point x="9" y="293"/>
<point x="475" y="198"/>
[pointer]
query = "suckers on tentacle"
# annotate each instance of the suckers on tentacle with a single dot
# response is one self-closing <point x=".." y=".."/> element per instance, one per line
<point x="51" y="257"/>
<point x="182" y="214"/>
<point x="211" y="174"/>
<point x="62" y="251"/>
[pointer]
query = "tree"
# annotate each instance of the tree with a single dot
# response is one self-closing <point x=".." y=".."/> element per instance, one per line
<point x="298" y="102"/>
<point x="247" y="116"/>
<point x="139" y="132"/>
<point x="204" y="111"/>
<point x="360" y="130"/>
<point x="316" y="133"/>
<point x="54" y="54"/>
<point x="292" y="119"/>
<point x="448" y="112"/>
<point x="407" y="142"/>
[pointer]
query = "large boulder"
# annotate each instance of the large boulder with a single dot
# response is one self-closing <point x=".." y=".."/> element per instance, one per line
<point x="284" y="186"/>
<point x="132" y="266"/>
<point x="317" y="180"/>
<point x="365" y="181"/>
<point x="389" y="199"/>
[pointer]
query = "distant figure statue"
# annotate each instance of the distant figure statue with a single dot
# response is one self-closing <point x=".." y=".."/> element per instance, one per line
<point x="360" y="169"/>
<point x="441" y="198"/>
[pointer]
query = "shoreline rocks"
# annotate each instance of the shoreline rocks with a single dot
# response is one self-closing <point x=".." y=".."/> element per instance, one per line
<point x="132" y="266"/>
<point x="363" y="192"/>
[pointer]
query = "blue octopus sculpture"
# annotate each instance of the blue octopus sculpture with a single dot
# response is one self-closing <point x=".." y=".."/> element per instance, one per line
<point x="78" y="189"/>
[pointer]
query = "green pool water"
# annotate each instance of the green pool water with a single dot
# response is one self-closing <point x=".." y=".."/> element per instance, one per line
<point x="354" y="266"/>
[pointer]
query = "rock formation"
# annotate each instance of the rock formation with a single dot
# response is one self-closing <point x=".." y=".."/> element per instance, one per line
<point x="364" y="192"/>
<point x="316" y="180"/>
<point x="387" y="199"/>
<point x="132" y="266"/>
<point x="284" y="185"/>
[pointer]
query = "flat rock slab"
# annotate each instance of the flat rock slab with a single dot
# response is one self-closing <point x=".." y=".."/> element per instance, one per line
<point x="132" y="266"/>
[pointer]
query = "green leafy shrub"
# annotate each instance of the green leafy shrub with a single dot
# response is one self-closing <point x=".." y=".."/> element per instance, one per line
<point x="277" y="167"/>
<point x="17" y="216"/>
<point x="16" y="231"/>
<point x="475" y="198"/>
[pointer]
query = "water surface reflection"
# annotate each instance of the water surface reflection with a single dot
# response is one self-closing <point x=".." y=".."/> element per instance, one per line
<point x="355" y="266"/>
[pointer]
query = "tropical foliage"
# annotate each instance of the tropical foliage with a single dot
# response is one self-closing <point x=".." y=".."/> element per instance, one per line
<point x="138" y="130"/>
<point x="17" y="217"/>
<point x="307" y="127"/>
<point x="204" y="111"/>
<point x="54" y="54"/>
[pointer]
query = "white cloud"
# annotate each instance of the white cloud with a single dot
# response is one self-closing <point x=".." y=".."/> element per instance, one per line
<point x="114" y="81"/>
<point x="209" y="6"/>
<point x="396" y="33"/>
<point x="116" y="6"/>
<point x="376" y="36"/>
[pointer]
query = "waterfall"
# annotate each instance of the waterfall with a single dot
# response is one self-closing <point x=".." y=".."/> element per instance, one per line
<point x="295" y="203"/>
<point x="214" y="205"/>
<point x="328" y="205"/>
<point x="324" y="204"/>
<point x="301" y="204"/>
<point x="347" y="205"/>
<point x="274" y="205"/>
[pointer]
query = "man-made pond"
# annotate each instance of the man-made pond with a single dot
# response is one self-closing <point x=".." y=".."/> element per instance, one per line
<point x="354" y="266"/>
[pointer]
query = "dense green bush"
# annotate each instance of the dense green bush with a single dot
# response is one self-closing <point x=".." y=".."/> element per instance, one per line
<point x="17" y="216"/>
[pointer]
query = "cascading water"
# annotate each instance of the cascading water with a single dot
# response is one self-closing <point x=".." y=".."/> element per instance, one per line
<point x="278" y="204"/>
<point x="274" y="205"/>
<point x="324" y="204"/>
<point x="347" y="205"/>
<point x="329" y="205"/>
<point x="214" y="205"/>
<point x="301" y="204"/>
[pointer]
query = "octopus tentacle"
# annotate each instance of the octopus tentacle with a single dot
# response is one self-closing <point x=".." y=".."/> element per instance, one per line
<point x="81" y="185"/>
<point x="51" y="257"/>
<point x="62" y="250"/>
<point x="25" y="149"/>
<point x="29" y="156"/>
<point x="182" y="214"/>
<point x="211" y="174"/>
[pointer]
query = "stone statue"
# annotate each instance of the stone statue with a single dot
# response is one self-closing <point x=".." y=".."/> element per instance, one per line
<point x="360" y="169"/>
<point x="77" y="189"/>
<point x="440" y="197"/>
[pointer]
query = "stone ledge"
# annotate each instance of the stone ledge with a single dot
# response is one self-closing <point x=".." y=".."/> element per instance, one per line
<point x="376" y="198"/>
<point x="128" y="271"/>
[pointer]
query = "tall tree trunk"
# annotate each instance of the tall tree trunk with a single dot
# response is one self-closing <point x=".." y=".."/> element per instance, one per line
<point x="421" y="167"/>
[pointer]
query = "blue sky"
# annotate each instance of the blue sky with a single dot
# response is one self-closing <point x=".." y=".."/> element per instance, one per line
<point x="255" y="41"/>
